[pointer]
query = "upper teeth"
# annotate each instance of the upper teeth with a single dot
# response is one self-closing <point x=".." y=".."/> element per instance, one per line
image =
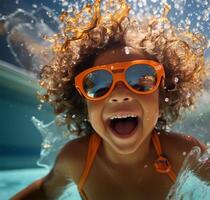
<point x="122" y="116"/>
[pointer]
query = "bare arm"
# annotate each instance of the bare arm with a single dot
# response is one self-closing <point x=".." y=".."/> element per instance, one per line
<point x="33" y="191"/>
<point x="50" y="186"/>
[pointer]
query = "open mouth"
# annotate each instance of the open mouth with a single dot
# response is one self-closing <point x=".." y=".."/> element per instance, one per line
<point x="124" y="126"/>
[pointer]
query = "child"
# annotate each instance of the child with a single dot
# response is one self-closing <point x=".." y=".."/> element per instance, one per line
<point x="127" y="81"/>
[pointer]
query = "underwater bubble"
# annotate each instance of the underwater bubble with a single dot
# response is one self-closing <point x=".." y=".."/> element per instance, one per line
<point x="39" y="107"/>
<point x="42" y="100"/>
<point x="49" y="14"/>
<point x="64" y="3"/>
<point x="206" y="14"/>
<point x="66" y="133"/>
<point x="46" y="145"/>
<point x="34" y="6"/>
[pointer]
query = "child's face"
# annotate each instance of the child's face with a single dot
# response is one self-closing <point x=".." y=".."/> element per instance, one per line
<point x="122" y="101"/>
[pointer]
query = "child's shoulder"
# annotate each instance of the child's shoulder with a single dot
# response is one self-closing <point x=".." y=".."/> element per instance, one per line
<point x="72" y="156"/>
<point x="177" y="145"/>
<point x="77" y="146"/>
<point x="180" y="141"/>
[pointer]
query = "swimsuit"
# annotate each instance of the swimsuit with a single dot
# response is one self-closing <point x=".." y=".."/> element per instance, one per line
<point x="161" y="165"/>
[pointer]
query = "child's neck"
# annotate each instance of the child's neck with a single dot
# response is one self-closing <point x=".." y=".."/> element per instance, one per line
<point x="133" y="159"/>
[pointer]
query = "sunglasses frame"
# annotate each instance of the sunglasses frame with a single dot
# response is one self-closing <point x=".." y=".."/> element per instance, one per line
<point x="118" y="74"/>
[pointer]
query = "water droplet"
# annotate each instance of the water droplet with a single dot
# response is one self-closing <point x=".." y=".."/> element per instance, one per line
<point x="49" y="14"/>
<point x="208" y="144"/>
<point x="176" y="79"/>
<point x="39" y="107"/>
<point x="188" y="95"/>
<point x="34" y="6"/>
<point x="166" y="99"/>
<point x="127" y="50"/>
<point x="46" y="145"/>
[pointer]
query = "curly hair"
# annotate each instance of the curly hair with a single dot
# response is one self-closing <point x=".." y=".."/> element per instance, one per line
<point x="180" y="52"/>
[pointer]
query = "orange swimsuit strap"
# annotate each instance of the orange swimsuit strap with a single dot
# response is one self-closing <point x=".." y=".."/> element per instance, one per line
<point x="161" y="165"/>
<point x="94" y="143"/>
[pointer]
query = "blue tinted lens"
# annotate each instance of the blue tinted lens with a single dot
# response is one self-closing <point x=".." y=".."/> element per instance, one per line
<point x="97" y="83"/>
<point x="141" y="77"/>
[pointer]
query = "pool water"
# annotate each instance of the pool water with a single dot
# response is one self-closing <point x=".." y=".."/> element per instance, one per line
<point x="12" y="181"/>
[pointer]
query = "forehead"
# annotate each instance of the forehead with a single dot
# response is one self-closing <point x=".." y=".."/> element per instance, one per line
<point x="119" y="54"/>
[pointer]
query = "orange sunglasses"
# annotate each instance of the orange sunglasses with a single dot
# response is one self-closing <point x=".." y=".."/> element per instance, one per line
<point x="139" y="76"/>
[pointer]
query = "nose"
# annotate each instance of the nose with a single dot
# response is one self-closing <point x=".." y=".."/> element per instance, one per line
<point x="120" y="94"/>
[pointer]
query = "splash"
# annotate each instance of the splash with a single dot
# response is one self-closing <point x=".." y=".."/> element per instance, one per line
<point x="193" y="181"/>
<point x="30" y="50"/>
<point x="25" y="38"/>
<point x="54" y="137"/>
<point x="78" y="23"/>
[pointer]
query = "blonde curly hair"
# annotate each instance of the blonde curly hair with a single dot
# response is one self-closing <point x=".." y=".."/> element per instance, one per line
<point x="180" y="52"/>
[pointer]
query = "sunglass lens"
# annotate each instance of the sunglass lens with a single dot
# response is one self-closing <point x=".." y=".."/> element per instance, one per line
<point x="141" y="77"/>
<point x="97" y="83"/>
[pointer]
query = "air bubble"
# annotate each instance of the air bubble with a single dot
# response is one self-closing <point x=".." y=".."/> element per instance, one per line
<point x="46" y="145"/>
<point x="49" y="14"/>
<point x="39" y="107"/>
<point x="34" y="6"/>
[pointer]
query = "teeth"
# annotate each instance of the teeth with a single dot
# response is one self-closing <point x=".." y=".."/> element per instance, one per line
<point x="121" y="116"/>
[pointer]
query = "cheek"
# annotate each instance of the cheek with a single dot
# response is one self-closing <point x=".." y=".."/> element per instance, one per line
<point x="152" y="108"/>
<point x="94" y="113"/>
